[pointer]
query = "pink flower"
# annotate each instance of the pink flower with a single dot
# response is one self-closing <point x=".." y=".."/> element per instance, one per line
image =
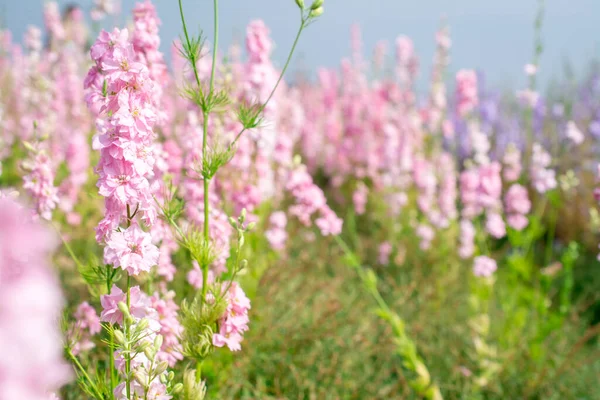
<point x="359" y="198"/>
<point x="385" y="250"/>
<point x="467" y="238"/>
<point x="132" y="250"/>
<point x="31" y="365"/>
<point x="234" y="322"/>
<point x="139" y="304"/>
<point x="329" y="223"/>
<point x="574" y="134"/>
<point x="512" y="163"/>
<point x="495" y="225"/>
<point x="484" y="266"/>
<point x="466" y="91"/>
<point x="258" y="42"/>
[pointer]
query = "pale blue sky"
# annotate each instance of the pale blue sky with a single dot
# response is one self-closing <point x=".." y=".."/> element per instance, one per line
<point x="494" y="36"/>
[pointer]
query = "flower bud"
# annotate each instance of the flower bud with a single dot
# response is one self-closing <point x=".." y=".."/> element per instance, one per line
<point x="149" y="352"/>
<point x="316" y="4"/>
<point x="251" y="226"/>
<point x="142" y="325"/>
<point x="140" y="376"/>
<point x="232" y="222"/>
<point x="119" y="336"/>
<point x="243" y="215"/>
<point x="161" y="367"/>
<point x="300" y="4"/>
<point x="158" y="341"/>
<point x="123" y="308"/>
<point x="316" y="12"/>
<point x="178" y="388"/>
<point x="243" y="264"/>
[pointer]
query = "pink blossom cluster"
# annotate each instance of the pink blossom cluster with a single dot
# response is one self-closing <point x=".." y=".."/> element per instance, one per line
<point x="39" y="183"/>
<point x="124" y="136"/>
<point x="466" y="91"/>
<point x="310" y="200"/>
<point x="542" y="177"/>
<point x="512" y="167"/>
<point x="159" y="317"/>
<point x="276" y="234"/>
<point x="170" y="328"/>
<point x="481" y="189"/>
<point x="234" y="321"/>
<point x="87" y="325"/>
<point x="484" y="266"/>
<point x="517" y="206"/>
<point x="31" y="366"/>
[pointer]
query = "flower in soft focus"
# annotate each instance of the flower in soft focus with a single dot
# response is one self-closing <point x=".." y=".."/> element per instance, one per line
<point x="543" y="178"/>
<point x="466" y="91"/>
<point x="574" y="134"/>
<point x="131" y="250"/>
<point x="139" y="304"/>
<point x="517" y="205"/>
<point x="530" y="69"/>
<point x="467" y="239"/>
<point x="31" y="366"/>
<point x="359" y="197"/>
<point x="484" y="266"/>
<point x="512" y="163"/>
<point x="87" y="324"/>
<point x="234" y="322"/>
<point x="385" y="251"/>
<point x="495" y="225"/>
<point x="528" y="98"/>
<point x="276" y="234"/>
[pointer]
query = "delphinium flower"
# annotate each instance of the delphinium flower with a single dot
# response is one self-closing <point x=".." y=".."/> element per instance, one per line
<point x="437" y="91"/>
<point x="573" y="133"/>
<point x="39" y="182"/>
<point x="517" y="206"/>
<point x="484" y="266"/>
<point x="102" y="8"/>
<point x="125" y="135"/>
<point x="543" y="178"/>
<point x="385" y="251"/>
<point x="310" y="200"/>
<point x="131" y="249"/>
<point x="170" y="327"/>
<point x="447" y="193"/>
<point x="466" y="91"/>
<point x="31" y="366"/>
<point x="139" y="356"/>
<point x="276" y="234"/>
<point x="359" y="198"/>
<point x="234" y="321"/>
<point x="53" y="21"/>
<point x="511" y="161"/>
<point x="87" y="324"/>
<point x="426" y="234"/>
<point x="467" y="239"/>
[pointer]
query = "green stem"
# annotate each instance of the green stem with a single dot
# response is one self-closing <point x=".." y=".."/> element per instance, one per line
<point x="422" y="383"/>
<point x="85" y="375"/>
<point x="285" y="67"/>
<point x="128" y="353"/>
<point x="111" y="357"/>
<point x="198" y="371"/>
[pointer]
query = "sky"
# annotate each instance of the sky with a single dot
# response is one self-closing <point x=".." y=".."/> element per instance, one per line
<point x="495" y="37"/>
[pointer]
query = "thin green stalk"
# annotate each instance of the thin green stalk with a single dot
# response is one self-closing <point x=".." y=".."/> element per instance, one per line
<point x="285" y="67"/>
<point x="422" y="383"/>
<point x="85" y="375"/>
<point x="111" y="357"/>
<point x="127" y="333"/>
<point x="198" y="370"/>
